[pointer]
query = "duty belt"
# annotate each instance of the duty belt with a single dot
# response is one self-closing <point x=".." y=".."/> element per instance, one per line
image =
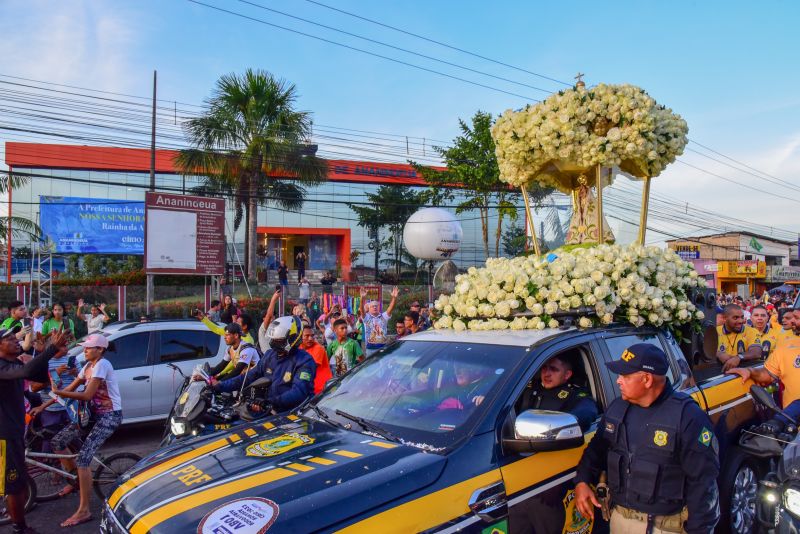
<point x="667" y="523"/>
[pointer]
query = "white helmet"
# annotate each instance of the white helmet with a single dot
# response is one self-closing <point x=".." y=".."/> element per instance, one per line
<point x="284" y="334"/>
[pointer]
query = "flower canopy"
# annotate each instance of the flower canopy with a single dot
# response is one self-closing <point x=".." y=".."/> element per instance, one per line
<point x="608" y="125"/>
<point x="599" y="285"/>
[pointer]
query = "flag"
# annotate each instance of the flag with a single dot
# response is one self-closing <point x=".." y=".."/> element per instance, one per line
<point x="755" y="245"/>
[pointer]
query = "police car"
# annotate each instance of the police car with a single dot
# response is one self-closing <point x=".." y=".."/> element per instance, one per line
<point x="429" y="435"/>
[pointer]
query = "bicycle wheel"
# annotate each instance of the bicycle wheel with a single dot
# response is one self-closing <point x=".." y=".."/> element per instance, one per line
<point x="30" y="503"/>
<point x="110" y="469"/>
<point x="48" y="482"/>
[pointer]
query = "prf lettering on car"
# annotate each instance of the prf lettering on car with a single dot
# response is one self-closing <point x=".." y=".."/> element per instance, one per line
<point x="191" y="475"/>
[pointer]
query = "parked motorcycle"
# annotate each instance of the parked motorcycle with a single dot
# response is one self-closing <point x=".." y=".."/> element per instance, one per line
<point x="198" y="410"/>
<point x="777" y="441"/>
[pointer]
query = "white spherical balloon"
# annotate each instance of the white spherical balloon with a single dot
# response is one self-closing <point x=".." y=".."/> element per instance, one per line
<point x="432" y="234"/>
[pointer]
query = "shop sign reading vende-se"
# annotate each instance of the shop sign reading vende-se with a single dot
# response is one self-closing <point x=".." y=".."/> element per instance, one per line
<point x="184" y="234"/>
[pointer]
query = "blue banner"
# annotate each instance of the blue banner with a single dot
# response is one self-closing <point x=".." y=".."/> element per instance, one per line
<point x="92" y="225"/>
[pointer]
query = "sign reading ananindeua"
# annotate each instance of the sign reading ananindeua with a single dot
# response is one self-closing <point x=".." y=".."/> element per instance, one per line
<point x="184" y="234"/>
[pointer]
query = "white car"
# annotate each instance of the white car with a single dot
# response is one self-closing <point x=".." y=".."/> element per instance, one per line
<point x="140" y="353"/>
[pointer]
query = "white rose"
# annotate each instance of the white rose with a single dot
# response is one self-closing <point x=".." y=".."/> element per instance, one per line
<point x="459" y="326"/>
<point x="553" y="323"/>
<point x="550" y="308"/>
<point x="575" y="301"/>
<point x="503" y="309"/>
<point x="584" y="322"/>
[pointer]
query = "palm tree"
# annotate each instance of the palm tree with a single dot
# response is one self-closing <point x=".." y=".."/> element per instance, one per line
<point x="252" y="146"/>
<point x="18" y="226"/>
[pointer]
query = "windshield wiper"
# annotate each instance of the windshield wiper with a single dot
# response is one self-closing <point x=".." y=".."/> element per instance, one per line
<point x="367" y="425"/>
<point x="320" y="413"/>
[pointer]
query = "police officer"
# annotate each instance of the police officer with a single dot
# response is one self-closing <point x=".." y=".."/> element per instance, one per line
<point x="545" y="513"/>
<point x="659" y="451"/>
<point x="291" y="368"/>
<point x="556" y="392"/>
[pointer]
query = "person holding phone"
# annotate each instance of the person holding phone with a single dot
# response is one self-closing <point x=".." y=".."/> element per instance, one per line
<point x="58" y="321"/>
<point x="63" y="371"/>
<point x="13" y="374"/>
<point x="105" y="402"/>
<point x="16" y="313"/>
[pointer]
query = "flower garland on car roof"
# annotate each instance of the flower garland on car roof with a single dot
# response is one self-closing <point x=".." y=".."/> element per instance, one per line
<point x="600" y="285"/>
<point x="607" y="125"/>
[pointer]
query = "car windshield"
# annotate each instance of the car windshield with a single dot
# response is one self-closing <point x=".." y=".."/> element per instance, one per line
<point x="426" y="394"/>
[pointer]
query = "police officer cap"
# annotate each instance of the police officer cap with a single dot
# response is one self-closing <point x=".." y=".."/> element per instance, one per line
<point x="233" y="328"/>
<point x="640" y="357"/>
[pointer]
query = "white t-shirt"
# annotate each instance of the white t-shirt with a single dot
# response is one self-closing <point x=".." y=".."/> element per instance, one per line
<point x="107" y="398"/>
<point x="305" y="291"/>
<point x="247" y="355"/>
<point x="375" y="329"/>
<point x="93" y="324"/>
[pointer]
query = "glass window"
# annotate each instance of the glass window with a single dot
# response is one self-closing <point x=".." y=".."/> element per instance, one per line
<point x="129" y="351"/>
<point x="428" y="394"/>
<point x="617" y="345"/>
<point x="180" y="345"/>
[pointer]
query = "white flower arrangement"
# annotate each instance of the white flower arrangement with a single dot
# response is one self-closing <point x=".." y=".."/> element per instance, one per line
<point x="601" y="284"/>
<point x="607" y="125"/>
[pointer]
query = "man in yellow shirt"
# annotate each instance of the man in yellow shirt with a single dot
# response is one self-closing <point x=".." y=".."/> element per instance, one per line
<point x="783" y="365"/>
<point x="789" y="323"/>
<point x="737" y="342"/>
<point x="770" y="336"/>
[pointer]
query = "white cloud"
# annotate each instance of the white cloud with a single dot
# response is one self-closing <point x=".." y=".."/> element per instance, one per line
<point x="79" y="42"/>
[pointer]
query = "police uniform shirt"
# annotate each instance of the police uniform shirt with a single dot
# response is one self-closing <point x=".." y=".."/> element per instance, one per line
<point x="567" y="398"/>
<point x="735" y="343"/>
<point x="685" y="438"/>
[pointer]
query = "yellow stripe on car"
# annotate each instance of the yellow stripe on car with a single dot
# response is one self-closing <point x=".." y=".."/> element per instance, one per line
<point x="163" y="467"/>
<point x="428" y="511"/>
<point x="250" y="432"/>
<point x="382" y="444"/>
<point x="321" y="461"/>
<point x="207" y="496"/>
<point x="299" y="467"/>
<point x="349" y="454"/>
<point x="523" y="473"/>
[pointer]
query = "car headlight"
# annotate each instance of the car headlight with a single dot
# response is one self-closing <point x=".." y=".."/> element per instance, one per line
<point x="791" y="499"/>
<point x="177" y="426"/>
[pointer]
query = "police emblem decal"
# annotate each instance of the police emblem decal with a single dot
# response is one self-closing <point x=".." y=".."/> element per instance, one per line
<point x="705" y="437"/>
<point x="287" y="376"/>
<point x="627" y="356"/>
<point x="660" y="438"/>
<point x="797" y="361"/>
<point x="563" y="394"/>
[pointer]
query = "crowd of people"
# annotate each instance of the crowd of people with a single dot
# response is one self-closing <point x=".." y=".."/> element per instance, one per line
<point x="41" y="385"/>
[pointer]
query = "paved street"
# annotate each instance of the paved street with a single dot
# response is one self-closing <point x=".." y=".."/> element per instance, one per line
<point x="46" y="517"/>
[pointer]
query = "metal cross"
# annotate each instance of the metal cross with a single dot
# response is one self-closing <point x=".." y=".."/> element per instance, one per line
<point x="579" y="77"/>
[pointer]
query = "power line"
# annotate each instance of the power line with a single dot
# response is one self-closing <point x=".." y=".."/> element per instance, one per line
<point x="381" y="56"/>
<point x="428" y="39"/>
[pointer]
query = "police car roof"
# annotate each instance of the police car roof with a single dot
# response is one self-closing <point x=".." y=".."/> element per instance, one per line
<point x="510" y="338"/>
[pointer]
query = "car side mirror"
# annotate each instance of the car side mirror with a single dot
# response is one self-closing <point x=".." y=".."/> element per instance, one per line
<point x="544" y="430"/>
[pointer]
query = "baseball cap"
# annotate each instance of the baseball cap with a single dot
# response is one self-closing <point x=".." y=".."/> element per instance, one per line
<point x="9" y="331"/>
<point x="233" y="328"/>
<point x="94" y="340"/>
<point x="640" y="357"/>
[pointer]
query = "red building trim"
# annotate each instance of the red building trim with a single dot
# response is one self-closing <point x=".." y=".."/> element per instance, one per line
<point x="101" y="158"/>
<point x="342" y="233"/>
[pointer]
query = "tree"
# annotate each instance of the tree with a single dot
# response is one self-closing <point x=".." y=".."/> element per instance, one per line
<point x="252" y="146"/>
<point x="514" y="240"/>
<point x="392" y="205"/>
<point x="19" y="226"/>
<point x="472" y="166"/>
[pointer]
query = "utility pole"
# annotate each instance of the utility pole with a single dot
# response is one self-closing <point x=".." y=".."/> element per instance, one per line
<point x="150" y="289"/>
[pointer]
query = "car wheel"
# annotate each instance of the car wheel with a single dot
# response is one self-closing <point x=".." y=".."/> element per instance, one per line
<point x="738" y="493"/>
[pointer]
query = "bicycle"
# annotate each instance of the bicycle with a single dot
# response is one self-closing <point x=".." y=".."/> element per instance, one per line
<point x="46" y="477"/>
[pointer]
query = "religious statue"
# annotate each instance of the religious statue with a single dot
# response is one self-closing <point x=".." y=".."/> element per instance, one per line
<point x="583" y="225"/>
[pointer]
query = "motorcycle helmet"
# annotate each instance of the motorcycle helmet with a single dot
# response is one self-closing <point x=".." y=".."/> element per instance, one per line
<point x="284" y="334"/>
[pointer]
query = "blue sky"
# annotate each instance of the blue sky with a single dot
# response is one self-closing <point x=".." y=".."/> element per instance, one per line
<point x="729" y="68"/>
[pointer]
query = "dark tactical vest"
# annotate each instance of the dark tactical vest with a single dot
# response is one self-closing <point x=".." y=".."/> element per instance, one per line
<point x="651" y="467"/>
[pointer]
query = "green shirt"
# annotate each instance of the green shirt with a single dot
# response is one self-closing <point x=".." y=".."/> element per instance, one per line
<point x="10" y="322"/>
<point x="51" y="324"/>
<point x="343" y="356"/>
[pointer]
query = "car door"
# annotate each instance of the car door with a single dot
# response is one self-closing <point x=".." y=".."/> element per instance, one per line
<point x="184" y="348"/>
<point x="128" y="353"/>
<point x="539" y="485"/>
